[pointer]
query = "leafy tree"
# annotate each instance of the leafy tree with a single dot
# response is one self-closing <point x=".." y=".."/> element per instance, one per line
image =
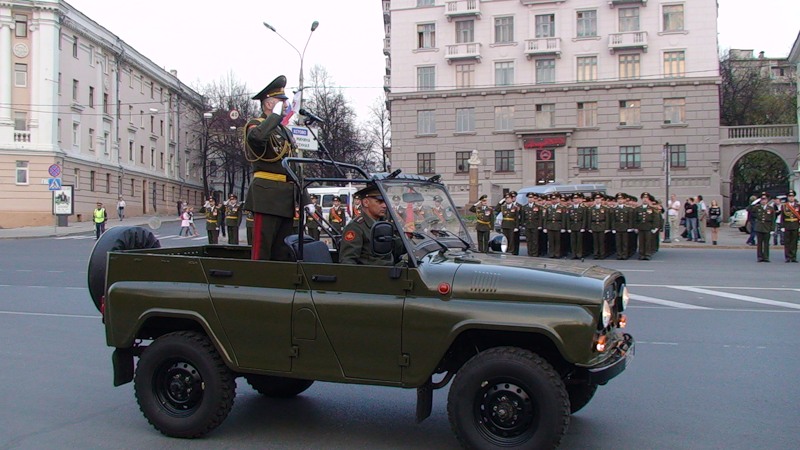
<point x="757" y="172"/>
<point x="748" y="95"/>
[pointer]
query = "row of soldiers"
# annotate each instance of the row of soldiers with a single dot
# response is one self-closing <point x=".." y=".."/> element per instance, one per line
<point x="558" y="225"/>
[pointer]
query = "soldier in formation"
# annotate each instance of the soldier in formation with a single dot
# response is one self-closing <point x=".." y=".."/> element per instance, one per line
<point x="233" y="217"/>
<point x="764" y="214"/>
<point x="337" y="215"/>
<point x="484" y="215"/>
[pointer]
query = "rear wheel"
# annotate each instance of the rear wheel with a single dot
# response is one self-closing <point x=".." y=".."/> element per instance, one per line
<point x="116" y="238"/>
<point x="508" y="397"/>
<point x="183" y="387"/>
<point x="278" y="387"/>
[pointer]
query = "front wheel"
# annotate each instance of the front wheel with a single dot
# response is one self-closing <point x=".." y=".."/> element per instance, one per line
<point x="183" y="387"/>
<point x="508" y="397"/>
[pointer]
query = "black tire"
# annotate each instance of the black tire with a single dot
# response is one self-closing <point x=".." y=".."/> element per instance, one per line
<point x="278" y="387"/>
<point x="116" y="238"/>
<point x="183" y="387"/>
<point x="508" y="397"/>
<point x="580" y="395"/>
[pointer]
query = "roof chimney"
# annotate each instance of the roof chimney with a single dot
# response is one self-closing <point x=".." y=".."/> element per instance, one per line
<point x="174" y="73"/>
<point x="761" y="54"/>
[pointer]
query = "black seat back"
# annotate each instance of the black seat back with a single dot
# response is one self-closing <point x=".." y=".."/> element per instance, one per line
<point x="313" y="250"/>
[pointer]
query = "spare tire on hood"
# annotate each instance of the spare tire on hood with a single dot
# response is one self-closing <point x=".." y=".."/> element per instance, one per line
<point x="116" y="238"/>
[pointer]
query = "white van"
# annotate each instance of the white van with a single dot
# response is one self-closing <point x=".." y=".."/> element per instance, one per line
<point x="325" y="197"/>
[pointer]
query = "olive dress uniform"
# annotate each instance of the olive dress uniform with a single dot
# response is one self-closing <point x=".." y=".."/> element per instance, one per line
<point x="599" y="225"/>
<point x="248" y="225"/>
<point x="483" y="224"/>
<point x="233" y="217"/>
<point x="621" y="222"/>
<point x="356" y="244"/>
<point x="510" y="224"/>
<point x="577" y="223"/>
<point x="764" y="224"/>
<point x="312" y="222"/>
<point x="337" y="216"/>
<point x="212" y="223"/>
<point x="271" y="196"/>
<point x="646" y="220"/>
<point x="555" y="222"/>
<point x="790" y="217"/>
<point x="532" y="217"/>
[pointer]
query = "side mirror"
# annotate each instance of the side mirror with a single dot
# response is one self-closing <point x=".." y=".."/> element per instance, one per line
<point x="382" y="238"/>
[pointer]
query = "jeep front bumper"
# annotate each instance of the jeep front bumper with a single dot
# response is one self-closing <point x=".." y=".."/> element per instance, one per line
<point x="621" y="356"/>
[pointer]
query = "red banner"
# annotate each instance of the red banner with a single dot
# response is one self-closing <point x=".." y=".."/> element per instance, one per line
<point x="544" y="141"/>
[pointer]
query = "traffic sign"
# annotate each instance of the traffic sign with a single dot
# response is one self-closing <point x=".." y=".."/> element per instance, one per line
<point x="305" y="140"/>
<point x="54" y="170"/>
<point x="234" y="114"/>
<point x="54" y="184"/>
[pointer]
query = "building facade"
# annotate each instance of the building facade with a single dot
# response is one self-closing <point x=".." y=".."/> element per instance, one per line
<point x="569" y="91"/>
<point x="73" y="94"/>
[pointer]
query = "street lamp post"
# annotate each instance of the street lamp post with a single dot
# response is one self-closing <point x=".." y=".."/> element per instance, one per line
<point x="302" y="55"/>
<point x="668" y="162"/>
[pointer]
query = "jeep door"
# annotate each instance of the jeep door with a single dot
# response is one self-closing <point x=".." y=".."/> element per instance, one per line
<point x="360" y="310"/>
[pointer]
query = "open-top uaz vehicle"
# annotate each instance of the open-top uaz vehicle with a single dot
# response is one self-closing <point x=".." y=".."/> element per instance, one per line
<point x="525" y="341"/>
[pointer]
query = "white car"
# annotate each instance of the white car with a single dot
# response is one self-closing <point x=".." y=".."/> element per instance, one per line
<point x="739" y="220"/>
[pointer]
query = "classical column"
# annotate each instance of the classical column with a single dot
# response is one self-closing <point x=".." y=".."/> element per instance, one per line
<point x="6" y="76"/>
<point x="44" y="79"/>
<point x="473" y="162"/>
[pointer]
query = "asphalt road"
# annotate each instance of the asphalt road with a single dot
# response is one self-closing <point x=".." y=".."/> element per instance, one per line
<point x="716" y="367"/>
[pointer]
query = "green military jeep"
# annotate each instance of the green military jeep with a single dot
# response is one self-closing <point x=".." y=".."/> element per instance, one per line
<point x="525" y="341"/>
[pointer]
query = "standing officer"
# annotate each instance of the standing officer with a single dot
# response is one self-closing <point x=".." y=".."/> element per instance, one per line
<point x="312" y="218"/>
<point x="248" y="225"/>
<point x="510" y="223"/>
<point x="483" y="222"/>
<point x="555" y="223"/>
<point x="100" y="218"/>
<point x="532" y="217"/>
<point x="212" y="220"/>
<point x="356" y="245"/>
<point x="764" y="214"/>
<point x="337" y="214"/>
<point x="577" y="223"/>
<point x="646" y="222"/>
<point x="270" y="196"/>
<point x="599" y="226"/>
<point x="790" y="216"/>
<point x="233" y="217"/>
<point x="621" y="224"/>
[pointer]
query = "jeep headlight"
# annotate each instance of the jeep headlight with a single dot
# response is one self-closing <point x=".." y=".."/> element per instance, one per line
<point x="626" y="297"/>
<point x="606" y="315"/>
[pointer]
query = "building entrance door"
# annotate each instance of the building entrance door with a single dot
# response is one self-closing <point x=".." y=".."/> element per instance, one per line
<point x="545" y="166"/>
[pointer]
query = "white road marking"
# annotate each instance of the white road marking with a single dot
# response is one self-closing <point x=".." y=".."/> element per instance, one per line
<point x="659" y="301"/>
<point x="719" y="287"/>
<point x="744" y="298"/>
<point x="79" y="316"/>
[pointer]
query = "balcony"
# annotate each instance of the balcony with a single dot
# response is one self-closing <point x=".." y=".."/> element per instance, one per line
<point x="540" y="2"/>
<point x="613" y="3"/>
<point x="627" y="41"/>
<point x="462" y="8"/>
<point x="542" y="46"/>
<point x="758" y="134"/>
<point x="22" y="136"/>
<point x="387" y="83"/>
<point x="457" y="52"/>
<point x="387" y="46"/>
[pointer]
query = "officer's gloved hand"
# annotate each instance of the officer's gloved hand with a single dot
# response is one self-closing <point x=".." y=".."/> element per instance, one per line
<point x="612" y="231"/>
<point x="563" y="230"/>
<point x="568" y="231"/>
<point x="516" y="229"/>
<point x="654" y="230"/>
<point x="583" y="230"/>
<point x="771" y="233"/>
<point x="783" y="230"/>
<point x="545" y="231"/>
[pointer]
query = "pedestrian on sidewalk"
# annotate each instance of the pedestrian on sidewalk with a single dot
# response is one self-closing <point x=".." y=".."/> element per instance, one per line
<point x="121" y="208"/>
<point x="702" y="218"/>
<point x="184" y="223"/>
<point x="714" y="220"/>
<point x="690" y="213"/>
<point x="674" y="213"/>
<point x="100" y="218"/>
<point x="191" y="221"/>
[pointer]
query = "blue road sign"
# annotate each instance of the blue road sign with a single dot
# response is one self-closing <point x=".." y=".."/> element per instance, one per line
<point x="54" y="184"/>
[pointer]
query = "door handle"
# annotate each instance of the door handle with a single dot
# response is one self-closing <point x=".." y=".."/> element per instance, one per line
<point x="220" y="273"/>
<point x="323" y="278"/>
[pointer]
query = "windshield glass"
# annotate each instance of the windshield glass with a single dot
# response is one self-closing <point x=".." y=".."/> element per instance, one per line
<point x="425" y="213"/>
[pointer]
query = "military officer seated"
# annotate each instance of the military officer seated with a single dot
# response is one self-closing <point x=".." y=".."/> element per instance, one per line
<point x="356" y="244"/>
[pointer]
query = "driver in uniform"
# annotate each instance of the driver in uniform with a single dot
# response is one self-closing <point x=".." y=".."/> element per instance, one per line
<point x="356" y="244"/>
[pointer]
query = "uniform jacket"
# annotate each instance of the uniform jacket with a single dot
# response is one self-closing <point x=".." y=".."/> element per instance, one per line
<point x="555" y="218"/>
<point x="764" y="217"/>
<point x="267" y="142"/>
<point x="483" y="218"/>
<point x="356" y="244"/>
<point x="599" y="218"/>
<point x="577" y="218"/>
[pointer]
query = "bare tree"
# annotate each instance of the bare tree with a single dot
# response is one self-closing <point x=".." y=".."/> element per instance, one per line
<point x="378" y="129"/>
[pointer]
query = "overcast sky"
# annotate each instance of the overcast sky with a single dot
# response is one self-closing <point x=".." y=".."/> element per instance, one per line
<point x="205" y="41"/>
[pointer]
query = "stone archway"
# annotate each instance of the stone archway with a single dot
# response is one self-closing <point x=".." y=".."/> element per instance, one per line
<point x="759" y="170"/>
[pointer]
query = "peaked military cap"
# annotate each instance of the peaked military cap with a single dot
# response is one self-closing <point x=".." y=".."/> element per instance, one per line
<point x="530" y="195"/>
<point x="371" y="191"/>
<point x="314" y="197"/>
<point x="791" y="193"/>
<point x="765" y="195"/>
<point x="274" y="89"/>
<point x="437" y="198"/>
<point x="336" y="198"/>
<point x="513" y="193"/>
<point x="483" y="197"/>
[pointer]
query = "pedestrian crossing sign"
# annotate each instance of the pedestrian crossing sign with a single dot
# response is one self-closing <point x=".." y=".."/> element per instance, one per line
<point x="54" y="184"/>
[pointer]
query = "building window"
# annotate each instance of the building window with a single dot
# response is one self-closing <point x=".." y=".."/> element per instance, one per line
<point x="75" y="90"/>
<point x="545" y="25"/>
<point x="20" y="25"/>
<point x="152" y="124"/>
<point x="108" y="183"/>
<point x="587" y="158"/>
<point x="91" y="97"/>
<point x="130" y="114"/>
<point x="426" y="163"/>
<point x="161" y="128"/>
<point x="587" y="23"/>
<point x="141" y="154"/>
<point x="504" y="73"/>
<point x="587" y="68"/>
<point x="465" y="120"/>
<point x="675" y="64"/>
<point x="545" y="115"/>
<point x="91" y="139"/>
<point x="133" y="187"/>
<point x="629" y="112"/>
<point x="106" y="138"/>
<point x="630" y="157"/>
<point x="504" y="160"/>
<point x="92" y="180"/>
<point x="74" y="46"/>
<point x="545" y="71"/>
<point x="152" y="156"/>
<point x="152" y="90"/>
<point x="426" y="78"/>
<point x="425" y="2"/>
<point x="462" y="166"/>
<point x="465" y="31"/>
<point x="22" y="172"/>
<point x="58" y="130"/>
<point x="503" y="30"/>
<point x="628" y="19"/>
<point x="76" y="126"/>
<point x="673" y="17"/>
<point x="504" y="118"/>
<point x="161" y="161"/>
<point x="20" y="121"/>
<point x="677" y="156"/>
<point x="141" y="119"/>
<point x="59" y="83"/>
<point x="465" y="75"/>
<point x="674" y="110"/>
<point x="629" y="67"/>
<point x="426" y="122"/>
<point x="20" y="75"/>
<point x="130" y="150"/>
<point x="105" y="103"/>
<point x="587" y="114"/>
<point x="426" y="35"/>
<point x="77" y="179"/>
